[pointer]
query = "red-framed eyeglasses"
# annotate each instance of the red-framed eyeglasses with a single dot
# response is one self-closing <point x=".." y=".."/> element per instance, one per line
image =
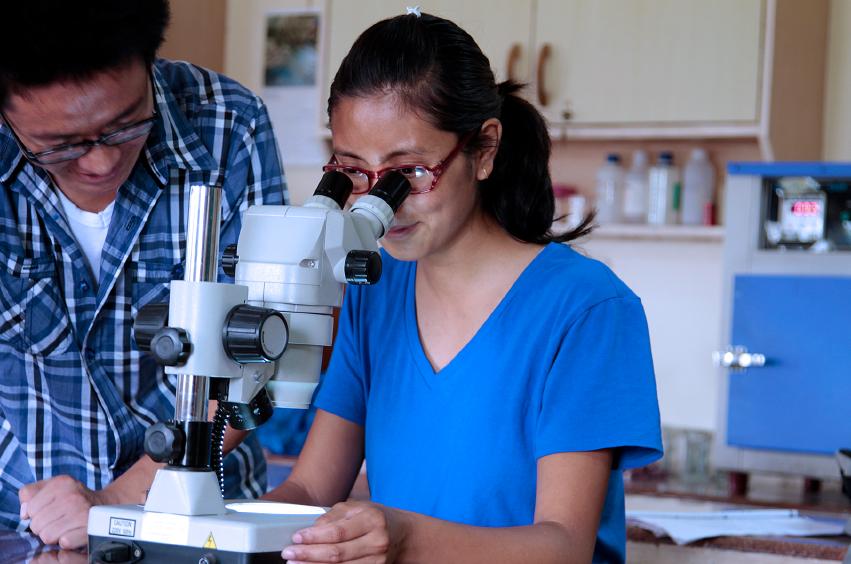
<point x="422" y="178"/>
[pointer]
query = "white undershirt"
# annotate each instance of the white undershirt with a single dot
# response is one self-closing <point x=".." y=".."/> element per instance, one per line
<point x="89" y="228"/>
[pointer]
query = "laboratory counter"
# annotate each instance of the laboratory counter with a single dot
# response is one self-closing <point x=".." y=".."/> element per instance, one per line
<point x="765" y="491"/>
<point x="642" y="546"/>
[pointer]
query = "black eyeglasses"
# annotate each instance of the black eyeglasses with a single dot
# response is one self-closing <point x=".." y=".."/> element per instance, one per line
<point x="74" y="151"/>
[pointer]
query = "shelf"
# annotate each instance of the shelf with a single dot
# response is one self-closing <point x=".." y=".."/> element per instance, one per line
<point x="566" y="131"/>
<point x="637" y="232"/>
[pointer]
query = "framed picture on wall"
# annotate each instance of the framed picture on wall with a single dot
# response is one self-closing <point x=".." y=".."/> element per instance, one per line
<point x="292" y="49"/>
<point x="291" y="74"/>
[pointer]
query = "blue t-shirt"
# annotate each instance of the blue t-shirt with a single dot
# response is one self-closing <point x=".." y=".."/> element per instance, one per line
<point x="562" y="364"/>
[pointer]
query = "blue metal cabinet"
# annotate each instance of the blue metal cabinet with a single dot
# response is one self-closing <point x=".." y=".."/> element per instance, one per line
<point x="792" y="305"/>
<point x="800" y="401"/>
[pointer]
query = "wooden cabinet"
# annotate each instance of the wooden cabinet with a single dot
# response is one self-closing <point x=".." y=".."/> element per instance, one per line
<point x="604" y="61"/>
<point x="644" y="69"/>
<point x="498" y="26"/>
<point x="649" y="61"/>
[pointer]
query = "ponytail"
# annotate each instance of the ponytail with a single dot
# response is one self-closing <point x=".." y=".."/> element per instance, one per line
<point x="519" y="191"/>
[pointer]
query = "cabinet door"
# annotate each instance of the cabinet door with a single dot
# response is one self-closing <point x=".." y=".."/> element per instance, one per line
<point x="652" y="61"/>
<point x="496" y="25"/>
<point x="798" y="401"/>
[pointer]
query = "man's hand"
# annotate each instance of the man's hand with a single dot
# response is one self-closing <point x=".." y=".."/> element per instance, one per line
<point x="58" y="509"/>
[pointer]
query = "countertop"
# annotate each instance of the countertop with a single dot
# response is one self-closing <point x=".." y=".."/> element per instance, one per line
<point x="642" y="493"/>
<point x="764" y="492"/>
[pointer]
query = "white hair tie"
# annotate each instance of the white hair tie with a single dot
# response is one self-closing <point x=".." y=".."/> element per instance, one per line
<point x="415" y="10"/>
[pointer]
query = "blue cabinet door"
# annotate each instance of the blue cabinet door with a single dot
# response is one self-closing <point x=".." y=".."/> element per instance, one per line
<point x="800" y="401"/>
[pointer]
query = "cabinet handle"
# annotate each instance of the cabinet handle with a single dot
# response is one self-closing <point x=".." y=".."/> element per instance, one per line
<point x="514" y="55"/>
<point x="543" y="57"/>
<point x="738" y="358"/>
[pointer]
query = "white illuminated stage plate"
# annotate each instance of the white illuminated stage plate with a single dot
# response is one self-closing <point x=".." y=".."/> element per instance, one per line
<point x="246" y="527"/>
<point x="274" y="508"/>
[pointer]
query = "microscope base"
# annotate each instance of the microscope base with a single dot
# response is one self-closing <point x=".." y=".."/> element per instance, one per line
<point x="155" y="552"/>
<point x="248" y="533"/>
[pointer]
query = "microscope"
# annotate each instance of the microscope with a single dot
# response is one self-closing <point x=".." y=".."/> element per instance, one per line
<point x="251" y="345"/>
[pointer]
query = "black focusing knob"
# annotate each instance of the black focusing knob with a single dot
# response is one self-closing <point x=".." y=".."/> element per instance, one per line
<point x="171" y="346"/>
<point x="363" y="267"/>
<point x="229" y="260"/>
<point x="255" y="334"/>
<point x="150" y="319"/>
<point x="114" y="552"/>
<point x="164" y="442"/>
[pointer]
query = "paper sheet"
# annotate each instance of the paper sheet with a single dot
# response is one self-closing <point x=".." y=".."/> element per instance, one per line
<point x="686" y="527"/>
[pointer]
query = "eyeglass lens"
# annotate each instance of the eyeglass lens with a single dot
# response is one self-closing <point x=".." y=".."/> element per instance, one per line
<point x="421" y="178"/>
<point x="76" y="151"/>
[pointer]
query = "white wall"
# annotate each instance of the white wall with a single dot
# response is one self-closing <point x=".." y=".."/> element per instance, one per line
<point x="679" y="284"/>
<point x="837" y="104"/>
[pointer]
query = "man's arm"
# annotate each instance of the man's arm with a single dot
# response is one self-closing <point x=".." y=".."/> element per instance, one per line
<point x="58" y="508"/>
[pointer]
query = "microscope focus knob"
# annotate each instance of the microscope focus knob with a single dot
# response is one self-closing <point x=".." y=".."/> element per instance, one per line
<point x="363" y="267"/>
<point x="255" y="334"/>
<point x="171" y="346"/>
<point x="229" y="260"/>
<point x="150" y="319"/>
<point x="164" y="442"/>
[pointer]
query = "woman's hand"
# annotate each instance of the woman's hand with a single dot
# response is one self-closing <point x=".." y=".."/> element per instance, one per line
<point x="354" y="531"/>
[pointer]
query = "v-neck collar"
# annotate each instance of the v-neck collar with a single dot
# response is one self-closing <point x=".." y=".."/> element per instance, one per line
<point x="412" y="330"/>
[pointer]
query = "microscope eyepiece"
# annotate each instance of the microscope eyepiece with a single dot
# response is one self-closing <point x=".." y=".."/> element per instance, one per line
<point x="393" y="188"/>
<point x="335" y="185"/>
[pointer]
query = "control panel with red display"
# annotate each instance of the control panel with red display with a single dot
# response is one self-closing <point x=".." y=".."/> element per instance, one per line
<point x="806" y="213"/>
<point x="807" y="208"/>
<point x="802" y="217"/>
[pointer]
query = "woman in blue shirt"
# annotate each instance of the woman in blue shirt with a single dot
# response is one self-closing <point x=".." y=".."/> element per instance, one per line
<point x="495" y="381"/>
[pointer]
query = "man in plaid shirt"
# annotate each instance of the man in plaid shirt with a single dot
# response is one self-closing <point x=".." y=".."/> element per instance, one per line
<point x="99" y="143"/>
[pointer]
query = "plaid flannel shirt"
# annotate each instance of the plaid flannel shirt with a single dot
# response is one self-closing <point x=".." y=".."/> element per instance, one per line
<point x="76" y="395"/>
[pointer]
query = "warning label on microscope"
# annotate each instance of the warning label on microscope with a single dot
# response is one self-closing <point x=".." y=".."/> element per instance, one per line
<point x="122" y="527"/>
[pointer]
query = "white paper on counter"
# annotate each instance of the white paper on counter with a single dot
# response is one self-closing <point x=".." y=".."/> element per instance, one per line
<point x="686" y="527"/>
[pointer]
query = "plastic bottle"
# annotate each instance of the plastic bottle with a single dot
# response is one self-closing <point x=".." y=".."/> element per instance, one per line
<point x="698" y="190"/>
<point x="562" y="194"/>
<point x="635" y="189"/>
<point x="610" y="190"/>
<point x="664" y="191"/>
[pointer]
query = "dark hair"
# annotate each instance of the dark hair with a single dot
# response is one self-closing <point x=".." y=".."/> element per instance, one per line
<point x="439" y="71"/>
<point x="45" y="41"/>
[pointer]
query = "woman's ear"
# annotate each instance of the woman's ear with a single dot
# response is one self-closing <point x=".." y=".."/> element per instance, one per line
<point x="490" y="135"/>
